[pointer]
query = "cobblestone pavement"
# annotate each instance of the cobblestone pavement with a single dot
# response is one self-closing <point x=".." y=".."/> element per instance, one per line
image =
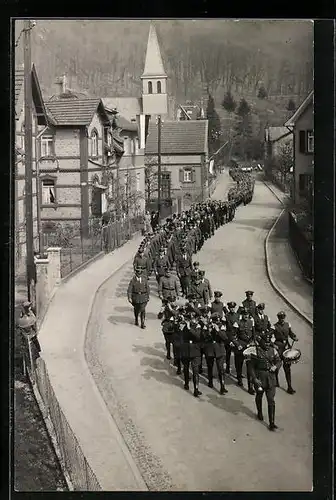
<point x="213" y="443"/>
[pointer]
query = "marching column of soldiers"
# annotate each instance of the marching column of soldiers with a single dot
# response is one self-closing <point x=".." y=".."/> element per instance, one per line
<point x="205" y="326"/>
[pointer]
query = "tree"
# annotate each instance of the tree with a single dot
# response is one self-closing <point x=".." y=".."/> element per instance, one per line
<point x="229" y="104"/>
<point x="291" y="105"/>
<point x="262" y="93"/>
<point x="285" y="160"/>
<point x="214" y="126"/>
<point x="243" y="131"/>
<point x="151" y="178"/>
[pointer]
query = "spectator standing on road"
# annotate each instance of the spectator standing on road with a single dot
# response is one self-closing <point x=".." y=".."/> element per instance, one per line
<point x="138" y="296"/>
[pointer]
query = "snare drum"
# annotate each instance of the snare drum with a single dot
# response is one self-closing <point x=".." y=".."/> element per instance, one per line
<point x="291" y="355"/>
<point x="249" y="351"/>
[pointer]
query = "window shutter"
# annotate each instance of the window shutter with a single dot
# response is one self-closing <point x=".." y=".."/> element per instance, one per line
<point x="302" y="141"/>
<point x="181" y="175"/>
<point x="193" y="175"/>
<point x="301" y="183"/>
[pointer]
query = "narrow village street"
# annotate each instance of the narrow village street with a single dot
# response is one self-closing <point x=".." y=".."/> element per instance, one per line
<point x="213" y="443"/>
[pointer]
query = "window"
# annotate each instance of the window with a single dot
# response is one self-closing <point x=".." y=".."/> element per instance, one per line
<point x="150" y="88"/>
<point x="306" y="141"/>
<point x="187" y="176"/>
<point x="48" y="192"/>
<point x="47" y="145"/>
<point x="158" y="87"/>
<point x="310" y="141"/>
<point x="165" y="185"/>
<point x="94" y="144"/>
<point x="137" y="180"/>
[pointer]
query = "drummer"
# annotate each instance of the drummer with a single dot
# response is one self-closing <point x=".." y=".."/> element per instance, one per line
<point x="282" y="331"/>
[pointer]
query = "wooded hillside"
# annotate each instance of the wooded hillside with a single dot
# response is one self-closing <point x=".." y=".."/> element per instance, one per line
<point x="106" y="58"/>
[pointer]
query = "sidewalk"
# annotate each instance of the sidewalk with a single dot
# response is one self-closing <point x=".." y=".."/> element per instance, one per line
<point x="284" y="271"/>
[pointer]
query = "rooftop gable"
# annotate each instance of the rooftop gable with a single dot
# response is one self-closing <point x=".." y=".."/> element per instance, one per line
<point x="36" y="93"/>
<point x="274" y="134"/>
<point x="300" y="110"/>
<point x="179" y="137"/>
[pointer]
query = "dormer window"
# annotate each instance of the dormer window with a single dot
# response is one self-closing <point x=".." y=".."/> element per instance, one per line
<point x="150" y="88"/>
<point x="158" y="87"/>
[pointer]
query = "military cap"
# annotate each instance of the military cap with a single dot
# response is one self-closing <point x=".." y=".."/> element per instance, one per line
<point x="218" y="294"/>
<point x="201" y="273"/>
<point x="261" y="306"/>
<point x="281" y="314"/>
<point x="196" y="263"/>
<point x="26" y="304"/>
<point x="231" y="305"/>
<point x="138" y="270"/>
<point x="249" y="292"/>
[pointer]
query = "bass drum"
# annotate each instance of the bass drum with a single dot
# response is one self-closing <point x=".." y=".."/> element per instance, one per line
<point x="291" y="355"/>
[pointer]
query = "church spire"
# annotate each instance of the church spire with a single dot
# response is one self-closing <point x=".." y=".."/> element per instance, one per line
<point x="153" y="61"/>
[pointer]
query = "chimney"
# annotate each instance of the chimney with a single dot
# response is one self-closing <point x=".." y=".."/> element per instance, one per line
<point x="60" y="85"/>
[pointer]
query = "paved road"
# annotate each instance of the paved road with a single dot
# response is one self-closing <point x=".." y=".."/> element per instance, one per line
<point x="213" y="443"/>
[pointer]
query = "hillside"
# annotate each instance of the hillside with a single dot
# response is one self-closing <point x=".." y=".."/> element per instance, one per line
<point x="106" y="57"/>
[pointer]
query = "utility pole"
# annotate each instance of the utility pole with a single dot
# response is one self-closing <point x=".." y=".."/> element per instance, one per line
<point x="28" y="158"/>
<point x="159" y="166"/>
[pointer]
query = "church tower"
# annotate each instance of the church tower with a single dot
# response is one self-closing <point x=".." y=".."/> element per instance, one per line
<point x="154" y="79"/>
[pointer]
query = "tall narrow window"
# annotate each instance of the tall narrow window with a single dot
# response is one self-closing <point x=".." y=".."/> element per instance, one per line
<point x="150" y="88"/>
<point x="94" y="144"/>
<point x="158" y="87"/>
<point x="47" y="145"/>
<point x="138" y="181"/>
<point x="48" y="192"/>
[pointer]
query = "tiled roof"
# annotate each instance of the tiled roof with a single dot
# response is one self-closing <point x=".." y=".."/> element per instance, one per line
<point x="275" y="133"/>
<point x="125" y="124"/>
<point x="128" y="107"/>
<point x="186" y="137"/>
<point x="72" y="111"/>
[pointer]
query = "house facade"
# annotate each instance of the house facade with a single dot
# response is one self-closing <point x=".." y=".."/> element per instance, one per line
<point x="39" y="121"/>
<point x="184" y="161"/>
<point x="302" y="124"/>
<point x="77" y="161"/>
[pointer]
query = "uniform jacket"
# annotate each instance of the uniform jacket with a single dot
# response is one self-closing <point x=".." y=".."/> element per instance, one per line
<point x="261" y="324"/>
<point x="141" y="262"/>
<point x="161" y="265"/>
<point x="138" y="290"/>
<point x="214" y="341"/>
<point x="260" y="366"/>
<point x="191" y="347"/>
<point x="218" y="308"/>
<point x="245" y="333"/>
<point x="206" y="283"/>
<point x="231" y="319"/>
<point x="184" y="265"/>
<point x="200" y="291"/>
<point x="250" y="305"/>
<point x="168" y="287"/>
<point x="282" y="333"/>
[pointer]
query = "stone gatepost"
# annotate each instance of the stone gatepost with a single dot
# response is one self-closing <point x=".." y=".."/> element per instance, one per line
<point x="54" y="269"/>
<point x="42" y="287"/>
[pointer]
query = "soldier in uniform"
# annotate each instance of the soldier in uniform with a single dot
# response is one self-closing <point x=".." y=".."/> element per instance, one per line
<point x="261" y="320"/>
<point x="191" y="306"/>
<point x="138" y="296"/>
<point x="168" y="287"/>
<point x="161" y="265"/>
<point x="263" y="367"/>
<point x="183" y="268"/>
<point x="190" y="351"/>
<point x="207" y="285"/>
<point x="245" y="335"/>
<point x="249" y="303"/>
<point x="217" y="306"/>
<point x="140" y="261"/>
<point x="282" y="332"/>
<point x="232" y="318"/>
<point x="214" y="348"/>
<point x="195" y="271"/>
<point x="199" y="290"/>
<point x="168" y="313"/>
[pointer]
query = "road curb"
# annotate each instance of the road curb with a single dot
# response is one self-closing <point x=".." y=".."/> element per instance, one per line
<point x="271" y="279"/>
